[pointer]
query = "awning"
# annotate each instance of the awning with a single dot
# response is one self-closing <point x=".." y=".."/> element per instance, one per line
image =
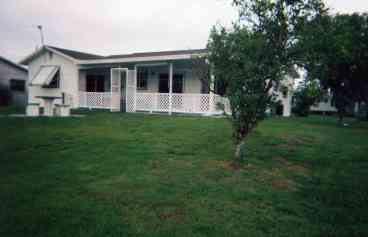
<point x="45" y="75"/>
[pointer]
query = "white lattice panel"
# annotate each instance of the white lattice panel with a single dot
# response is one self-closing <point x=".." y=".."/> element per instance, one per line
<point x="98" y="100"/>
<point x="131" y="91"/>
<point x="191" y="103"/>
<point x="144" y="101"/>
<point x="160" y="102"/>
<point x="178" y="103"/>
<point x="181" y="103"/>
<point x="151" y="102"/>
<point x="204" y="103"/>
<point x="163" y="102"/>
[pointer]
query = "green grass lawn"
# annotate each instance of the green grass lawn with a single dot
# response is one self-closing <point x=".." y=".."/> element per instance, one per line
<point x="138" y="175"/>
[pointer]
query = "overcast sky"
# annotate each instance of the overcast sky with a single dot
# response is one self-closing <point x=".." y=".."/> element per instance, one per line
<point x="117" y="26"/>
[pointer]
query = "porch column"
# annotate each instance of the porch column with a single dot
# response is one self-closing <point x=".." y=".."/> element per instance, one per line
<point x="212" y="94"/>
<point x="135" y="87"/>
<point x="171" y="69"/>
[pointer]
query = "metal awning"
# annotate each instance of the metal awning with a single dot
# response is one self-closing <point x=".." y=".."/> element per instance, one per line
<point x="45" y="75"/>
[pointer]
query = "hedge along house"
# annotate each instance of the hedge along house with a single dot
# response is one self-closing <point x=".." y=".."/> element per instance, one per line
<point x="147" y="82"/>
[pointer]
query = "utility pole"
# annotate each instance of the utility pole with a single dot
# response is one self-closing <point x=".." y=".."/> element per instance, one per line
<point x="41" y="33"/>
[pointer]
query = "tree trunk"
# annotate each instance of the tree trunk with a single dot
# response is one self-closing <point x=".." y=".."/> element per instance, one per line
<point x="238" y="147"/>
<point x="341" y="118"/>
<point x="340" y="113"/>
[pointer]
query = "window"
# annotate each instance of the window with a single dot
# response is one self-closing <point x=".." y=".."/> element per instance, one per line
<point x="95" y="83"/>
<point x="178" y="83"/>
<point x="55" y="82"/>
<point x="17" y="85"/>
<point x="142" y="78"/>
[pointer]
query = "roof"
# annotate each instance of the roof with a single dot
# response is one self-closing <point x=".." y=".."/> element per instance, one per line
<point x="158" y="53"/>
<point x="76" y="54"/>
<point x="81" y="56"/>
<point x="16" y="65"/>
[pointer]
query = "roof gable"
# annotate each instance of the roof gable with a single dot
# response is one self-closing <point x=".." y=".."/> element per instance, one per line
<point x="76" y="54"/>
<point x="66" y="53"/>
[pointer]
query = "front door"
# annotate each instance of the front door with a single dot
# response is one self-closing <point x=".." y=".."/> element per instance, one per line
<point x="118" y="89"/>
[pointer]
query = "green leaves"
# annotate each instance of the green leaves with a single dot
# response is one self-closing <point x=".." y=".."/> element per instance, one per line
<point x="256" y="55"/>
<point x="306" y="95"/>
<point x="336" y="54"/>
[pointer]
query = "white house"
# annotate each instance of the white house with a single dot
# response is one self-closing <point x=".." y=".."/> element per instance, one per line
<point x="151" y="82"/>
<point x="324" y="106"/>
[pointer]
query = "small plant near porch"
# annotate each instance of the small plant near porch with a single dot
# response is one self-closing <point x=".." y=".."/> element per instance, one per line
<point x="252" y="59"/>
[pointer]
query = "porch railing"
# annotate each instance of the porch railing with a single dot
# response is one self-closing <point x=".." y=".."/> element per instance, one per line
<point x="159" y="102"/>
<point x="181" y="103"/>
<point x="95" y="100"/>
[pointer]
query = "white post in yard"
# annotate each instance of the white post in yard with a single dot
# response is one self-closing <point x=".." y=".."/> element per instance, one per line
<point x="212" y="95"/>
<point x="170" y="86"/>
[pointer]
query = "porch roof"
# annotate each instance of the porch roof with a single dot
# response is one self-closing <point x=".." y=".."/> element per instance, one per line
<point x="161" y="56"/>
<point x="131" y="65"/>
<point x="158" y="53"/>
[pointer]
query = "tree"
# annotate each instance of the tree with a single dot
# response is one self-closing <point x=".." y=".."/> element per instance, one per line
<point x="336" y="54"/>
<point x="253" y="57"/>
<point x="307" y="94"/>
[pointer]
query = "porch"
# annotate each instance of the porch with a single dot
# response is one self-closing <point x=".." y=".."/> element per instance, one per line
<point x="160" y="87"/>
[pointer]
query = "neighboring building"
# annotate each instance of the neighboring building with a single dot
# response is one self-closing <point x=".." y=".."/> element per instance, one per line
<point x="327" y="106"/>
<point x="153" y="81"/>
<point x="13" y="81"/>
<point x="324" y="106"/>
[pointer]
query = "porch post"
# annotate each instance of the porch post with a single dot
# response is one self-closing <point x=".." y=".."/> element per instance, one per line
<point x="135" y="87"/>
<point x="111" y="108"/>
<point x="170" y="87"/>
<point x="212" y="95"/>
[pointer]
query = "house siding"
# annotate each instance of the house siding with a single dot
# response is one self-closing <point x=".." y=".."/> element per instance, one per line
<point x="69" y="82"/>
<point x="8" y="72"/>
